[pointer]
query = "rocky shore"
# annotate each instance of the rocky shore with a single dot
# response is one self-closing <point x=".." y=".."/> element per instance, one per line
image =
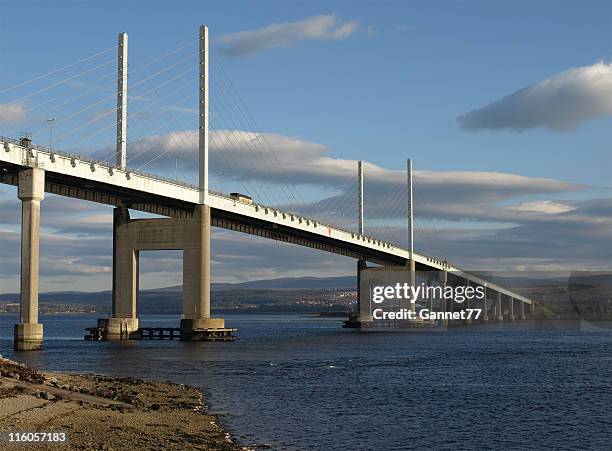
<point x="104" y="413"/>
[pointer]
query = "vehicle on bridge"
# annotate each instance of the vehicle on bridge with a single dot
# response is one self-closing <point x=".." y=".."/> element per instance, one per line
<point x="242" y="198"/>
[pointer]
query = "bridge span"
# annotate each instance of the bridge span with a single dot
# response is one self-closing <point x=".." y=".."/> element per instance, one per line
<point x="187" y="213"/>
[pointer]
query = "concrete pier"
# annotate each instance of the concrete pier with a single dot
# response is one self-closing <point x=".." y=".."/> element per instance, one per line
<point x="123" y="321"/>
<point x="28" y="334"/>
<point x="522" y="311"/>
<point x="429" y="298"/>
<point x="485" y="309"/>
<point x="192" y="235"/>
<point x="467" y="321"/>
<point x="511" y="309"/>
<point x="499" y="313"/>
<point x="196" y="320"/>
<point x="443" y="302"/>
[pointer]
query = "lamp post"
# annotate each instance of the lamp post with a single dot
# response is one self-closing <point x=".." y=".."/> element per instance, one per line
<point x="176" y="159"/>
<point x="259" y="188"/>
<point x="50" y="122"/>
<point x="291" y="205"/>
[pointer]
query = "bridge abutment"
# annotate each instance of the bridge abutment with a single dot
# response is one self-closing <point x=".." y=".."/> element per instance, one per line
<point x="28" y="334"/>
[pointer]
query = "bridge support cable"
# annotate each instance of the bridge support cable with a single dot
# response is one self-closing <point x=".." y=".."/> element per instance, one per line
<point x="132" y="126"/>
<point x="248" y="142"/>
<point x="63" y="82"/>
<point x="260" y="136"/>
<point x="55" y="71"/>
<point x="217" y="140"/>
<point x="97" y="117"/>
<point x="390" y="211"/>
<point x="340" y="208"/>
<point x="229" y="141"/>
<point x="107" y="81"/>
<point x="243" y="145"/>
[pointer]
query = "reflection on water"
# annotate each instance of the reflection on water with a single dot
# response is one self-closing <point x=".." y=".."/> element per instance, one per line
<point x="305" y="383"/>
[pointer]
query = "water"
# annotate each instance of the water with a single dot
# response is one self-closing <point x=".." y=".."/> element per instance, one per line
<point x="305" y="383"/>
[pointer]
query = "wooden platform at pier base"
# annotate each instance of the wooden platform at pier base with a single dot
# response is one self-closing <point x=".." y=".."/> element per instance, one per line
<point x="221" y="334"/>
<point x="167" y="333"/>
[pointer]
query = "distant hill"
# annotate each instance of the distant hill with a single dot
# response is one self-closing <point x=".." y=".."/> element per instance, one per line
<point x="286" y="293"/>
<point x="168" y="299"/>
<point x="286" y="283"/>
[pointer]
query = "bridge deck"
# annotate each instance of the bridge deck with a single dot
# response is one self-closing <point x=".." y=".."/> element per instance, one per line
<point x="74" y="176"/>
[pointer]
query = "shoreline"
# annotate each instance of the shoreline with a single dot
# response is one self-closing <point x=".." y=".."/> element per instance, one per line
<point x="105" y="412"/>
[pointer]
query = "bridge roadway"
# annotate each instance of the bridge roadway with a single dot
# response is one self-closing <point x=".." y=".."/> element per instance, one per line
<point x="81" y="178"/>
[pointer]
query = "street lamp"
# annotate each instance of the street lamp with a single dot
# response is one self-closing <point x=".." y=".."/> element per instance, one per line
<point x="176" y="159"/>
<point x="292" y="204"/>
<point x="50" y="122"/>
<point x="260" y="187"/>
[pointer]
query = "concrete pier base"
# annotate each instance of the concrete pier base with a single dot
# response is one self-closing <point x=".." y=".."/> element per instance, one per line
<point x="522" y="311"/>
<point x="205" y="329"/>
<point x="499" y="313"/>
<point x="118" y="328"/>
<point x="28" y="337"/>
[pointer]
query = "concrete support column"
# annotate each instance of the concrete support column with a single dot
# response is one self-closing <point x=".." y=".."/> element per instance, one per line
<point x="196" y="267"/>
<point x="467" y="321"/>
<point x="485" y="309"/>
<point x="124" y="319"/>
<point x="28" y="334"/>
<point x="443" y="302"/>
<point x="522" y="311"/>
<point x="498" y="311"/>
<point x="511" y="309"/>
<point x="196" y="279"/>
<point x="429" y="297"/>
<point x="361" y="265"/>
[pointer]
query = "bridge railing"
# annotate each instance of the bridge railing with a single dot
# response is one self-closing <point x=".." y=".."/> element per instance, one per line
<point x="314" y="221"/>
<point x="190" y="186"/>
<point x="101" y="163"/>
<point x="106" y="164"/>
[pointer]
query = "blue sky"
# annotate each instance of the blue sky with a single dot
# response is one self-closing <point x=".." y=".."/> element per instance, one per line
<point x="393" y="87"/>
<point x="401" y="88"/>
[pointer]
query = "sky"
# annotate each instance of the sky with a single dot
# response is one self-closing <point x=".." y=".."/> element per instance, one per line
<point x="504" y="108"/>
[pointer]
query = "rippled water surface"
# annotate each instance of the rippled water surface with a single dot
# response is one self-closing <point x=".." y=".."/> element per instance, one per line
<point x="306" y="383"/>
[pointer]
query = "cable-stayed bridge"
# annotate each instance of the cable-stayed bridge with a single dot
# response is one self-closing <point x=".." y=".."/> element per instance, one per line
<point x="188" y="211"/>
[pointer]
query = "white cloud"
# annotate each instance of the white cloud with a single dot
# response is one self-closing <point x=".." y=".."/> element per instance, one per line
<point x="560" y="103"/>
<point x="246" y="155"/>
<point x="12" y="112"/>
<point x="543" y="206"/>
<point x="323" y="27"/>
